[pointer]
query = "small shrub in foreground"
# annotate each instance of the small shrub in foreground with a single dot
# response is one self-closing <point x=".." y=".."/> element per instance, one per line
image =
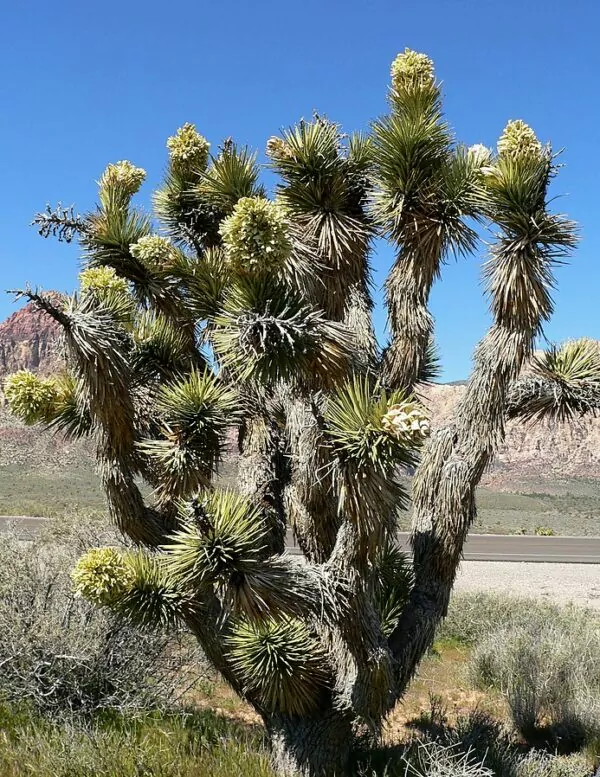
<point x="61" y="655"/>
<point x="550" y="676"/>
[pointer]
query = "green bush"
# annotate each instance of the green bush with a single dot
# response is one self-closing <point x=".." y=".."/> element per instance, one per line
<point x="59" y="654"/>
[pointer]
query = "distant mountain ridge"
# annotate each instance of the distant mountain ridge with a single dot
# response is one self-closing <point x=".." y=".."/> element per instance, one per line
<point x="29" y="340"/>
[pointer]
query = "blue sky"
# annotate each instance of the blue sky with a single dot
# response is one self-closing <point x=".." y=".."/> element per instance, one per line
<point x="84" y="84"/>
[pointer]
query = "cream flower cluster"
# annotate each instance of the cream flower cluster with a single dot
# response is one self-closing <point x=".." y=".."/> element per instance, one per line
<point x="255" y="236"/>
<point x="480" y="154"/>
<point x="152" y="250"/>
<point x="124" y="177"/>
<point x="188" y="149"/>
<point x="518" y="140"/>
<point x="30" y="397"/>
<point x="277" y="148"/>
<point x="101" y="576"/>
<point x="102" y="279"/>
<point x="407" y="419"/>
<point x="411" y="70"/>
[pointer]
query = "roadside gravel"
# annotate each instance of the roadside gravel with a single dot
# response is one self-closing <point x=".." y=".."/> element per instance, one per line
<point x="562" y="583"/>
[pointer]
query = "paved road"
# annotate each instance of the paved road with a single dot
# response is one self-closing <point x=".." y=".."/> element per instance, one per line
<point x="496" y="547"/>
<point x="479" y="547"/>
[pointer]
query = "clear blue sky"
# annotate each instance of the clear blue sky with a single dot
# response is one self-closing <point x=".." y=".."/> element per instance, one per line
<point x="87" y="83"/>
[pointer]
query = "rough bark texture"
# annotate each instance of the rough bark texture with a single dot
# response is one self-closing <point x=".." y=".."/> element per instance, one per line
<point x="262" y="475"/>
<point x="319" y="746"/>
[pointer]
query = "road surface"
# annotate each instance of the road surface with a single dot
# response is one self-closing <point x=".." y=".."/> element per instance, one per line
<point x="479" y="547"/>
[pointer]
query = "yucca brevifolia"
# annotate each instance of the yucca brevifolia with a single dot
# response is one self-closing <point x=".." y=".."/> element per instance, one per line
<point x="254" y="313"/>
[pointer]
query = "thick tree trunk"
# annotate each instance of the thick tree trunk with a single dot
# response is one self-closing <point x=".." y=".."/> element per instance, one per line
<point x="318" y="746"/>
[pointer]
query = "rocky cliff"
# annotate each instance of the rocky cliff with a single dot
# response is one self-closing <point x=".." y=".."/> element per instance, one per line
<point x="28" y="340"/>
<point x="546" y="450"/>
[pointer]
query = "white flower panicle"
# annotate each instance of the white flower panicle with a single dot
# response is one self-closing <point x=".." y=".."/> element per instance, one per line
<point x="124" y="177"/>
<point x="277" y="148"/>
<point x="188" y="150"/>
<point x="480" y="154"/>
<point x="102" y="576"/>
<point x="518" y="141"/>
<point x="406" y="420"/>
<point x="412" y="70"/>
<point x="255" y="236"/>
<point x="153" y="250"/>
<point x="101" y="279"/>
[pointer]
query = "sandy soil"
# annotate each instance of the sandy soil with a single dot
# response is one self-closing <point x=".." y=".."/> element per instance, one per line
<point x="562" y="583"/>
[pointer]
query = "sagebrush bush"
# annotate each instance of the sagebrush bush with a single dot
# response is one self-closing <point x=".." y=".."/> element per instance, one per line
<point x="474" y="616"/>
<point x="549" y="672"/>
<point x="540" y="764"/>
<point x="58" y="653"/>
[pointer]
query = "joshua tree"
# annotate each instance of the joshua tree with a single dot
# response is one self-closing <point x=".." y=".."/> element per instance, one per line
<point x="254" y="314"/>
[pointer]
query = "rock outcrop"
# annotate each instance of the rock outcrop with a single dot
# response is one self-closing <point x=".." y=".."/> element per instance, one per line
<point x="28" y="340"/>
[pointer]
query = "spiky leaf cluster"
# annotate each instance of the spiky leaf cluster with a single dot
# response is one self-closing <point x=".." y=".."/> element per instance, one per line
<point x="152" y="598"/>
<point x="193" y="412"/>
<point x="267" y="332"/>
<point x="325" y="183"/>
<point x="368" y="426"/>
<point x="280" y="663"/>
<point x="221" y="540"/>
<point x="102" y="576"/>
<point x="161" y="349"/>
<point x="562" y="383"/>
<point x="532" y="239"/>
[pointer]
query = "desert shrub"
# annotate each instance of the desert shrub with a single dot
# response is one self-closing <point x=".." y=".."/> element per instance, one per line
<point x="60" y="654"/>
<point x="544" y="531"/>
<point x="156" y="745"/>
<point x="474" y="616"/>
<point x="540" y="764"/>
<point x="550" y="675"/>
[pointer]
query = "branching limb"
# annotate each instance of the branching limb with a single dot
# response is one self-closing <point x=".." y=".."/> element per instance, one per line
<point x="60" y="222"/>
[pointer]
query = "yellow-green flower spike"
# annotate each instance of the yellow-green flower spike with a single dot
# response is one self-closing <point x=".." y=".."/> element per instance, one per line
<point x="101" y="279"/>
<point x="518" y="141"/>
<point x="255" y="236"/>
<point x="123" y="178"/>
<point x="30" y="397"/>
<point x="102" y="576"/>
<point x="153" y="250"/>
<point x="188" y="150"/>
<point x="412" y="70"/>
<point x="406" y="420"/>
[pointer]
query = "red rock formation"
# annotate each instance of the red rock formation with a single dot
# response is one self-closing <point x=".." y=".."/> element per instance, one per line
<point x="28" y="340"/>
